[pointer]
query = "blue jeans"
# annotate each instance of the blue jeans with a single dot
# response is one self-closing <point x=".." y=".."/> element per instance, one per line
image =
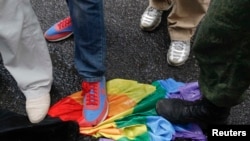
<point x="89" y="37"/>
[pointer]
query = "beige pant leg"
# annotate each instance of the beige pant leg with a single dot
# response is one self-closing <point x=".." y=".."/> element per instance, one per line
<point x="160" y="4"/>
<point x="184" y="18"/>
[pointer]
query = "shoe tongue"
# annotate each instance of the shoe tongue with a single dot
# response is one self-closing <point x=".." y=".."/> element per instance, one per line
<point x="152" y="12"/>
<point x="178" y="46"/>
<point x="91" y="91"/>
<point x="64" y="23"/>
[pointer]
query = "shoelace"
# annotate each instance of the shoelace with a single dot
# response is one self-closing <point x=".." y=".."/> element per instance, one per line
<point x="64" y="23"/>
<point x="153" y="12"/>
<point x="178" y="45"/>
<point x="90" y="91"/>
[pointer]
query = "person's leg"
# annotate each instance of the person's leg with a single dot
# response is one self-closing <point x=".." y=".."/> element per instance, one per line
<point x="25" y="55"/>
<point x="90" y="52"/>
<point x="89" y="38"/>
<point x="182" y="22"/>
<point x="151" y="17"/>
<point x="222" y="49"/>
<point x="185" y="17"/>
<point x="161" y="4"/>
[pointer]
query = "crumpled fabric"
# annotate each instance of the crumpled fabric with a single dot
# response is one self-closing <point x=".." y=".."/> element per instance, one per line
<point x="132" y="114"/>
<point x="170" y="85"/>
<point x="189" y="131"/>
<point x="189" y="91"/>
<point x="160" y="129"/>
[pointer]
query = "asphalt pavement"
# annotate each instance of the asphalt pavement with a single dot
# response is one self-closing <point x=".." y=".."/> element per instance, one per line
<point x="131" y="54"/>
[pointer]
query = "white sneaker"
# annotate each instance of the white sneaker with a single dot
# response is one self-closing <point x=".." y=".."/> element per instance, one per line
<point x="37" y="108"/>
<point x="178" y="52"/>
<point x="150" y="19"/>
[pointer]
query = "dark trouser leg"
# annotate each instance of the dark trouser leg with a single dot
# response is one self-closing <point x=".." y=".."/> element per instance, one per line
<point x="222" y="48"/>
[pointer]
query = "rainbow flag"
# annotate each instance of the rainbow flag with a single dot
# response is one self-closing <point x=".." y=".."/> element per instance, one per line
<point x="132" y="114"/>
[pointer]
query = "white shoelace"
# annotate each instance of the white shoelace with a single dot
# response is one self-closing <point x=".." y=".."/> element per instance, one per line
<point x="178" y="52"/>
<point x="153" y="12"/>
<point x="179" y="48"/>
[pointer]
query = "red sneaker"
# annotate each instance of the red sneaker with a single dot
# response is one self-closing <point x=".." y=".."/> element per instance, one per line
<point x="95" y="103"/>
<point x="59" y="31"/>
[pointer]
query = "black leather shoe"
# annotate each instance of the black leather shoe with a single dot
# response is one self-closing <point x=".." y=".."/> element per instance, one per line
<point x="203" y="112"/>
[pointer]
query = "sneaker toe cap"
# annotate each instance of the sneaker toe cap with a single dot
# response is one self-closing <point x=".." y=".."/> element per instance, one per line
<point x="37" y="108"/>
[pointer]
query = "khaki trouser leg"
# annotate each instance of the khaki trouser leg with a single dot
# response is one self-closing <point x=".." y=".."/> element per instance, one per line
<point x="161" y="4"/>
<point x="184" y="18"/>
